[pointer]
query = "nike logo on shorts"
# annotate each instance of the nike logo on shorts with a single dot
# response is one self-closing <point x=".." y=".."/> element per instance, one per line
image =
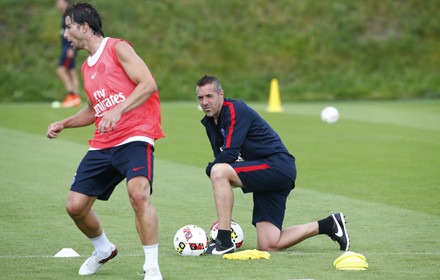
<point x="137" y="168"/>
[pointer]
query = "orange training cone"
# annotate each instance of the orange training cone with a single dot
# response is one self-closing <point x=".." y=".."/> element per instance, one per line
<point x="274" y="98"/>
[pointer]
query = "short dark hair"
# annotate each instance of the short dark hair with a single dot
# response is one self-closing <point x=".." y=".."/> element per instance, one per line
<point x="84" y="12"/>
<point x="205" y="80"/>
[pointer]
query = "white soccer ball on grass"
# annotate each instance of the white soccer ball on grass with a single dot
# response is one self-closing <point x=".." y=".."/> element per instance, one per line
<point x="237" y="234"/>
<point x="190" y="240"/>
<point x="55" y="104"/>
<point x="329" y="114"/>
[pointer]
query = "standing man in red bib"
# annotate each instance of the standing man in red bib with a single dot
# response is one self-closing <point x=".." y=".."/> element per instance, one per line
<point x="123" y="103"/>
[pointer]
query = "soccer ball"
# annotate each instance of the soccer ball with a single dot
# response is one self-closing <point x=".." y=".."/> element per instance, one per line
<point x="55" y="104"/>
<point x="190" y="240"/>
<point x="329" y="115"/>
<point x="237" y="234"/>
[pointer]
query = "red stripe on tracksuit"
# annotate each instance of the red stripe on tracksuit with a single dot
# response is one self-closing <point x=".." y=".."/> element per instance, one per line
<point x="232" y="126"/>
<point x="251" y="168"/>
<point x="67" y="62"/>
<point x="149" y="163"/>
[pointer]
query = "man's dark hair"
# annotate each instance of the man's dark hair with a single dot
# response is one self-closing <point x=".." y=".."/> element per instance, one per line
<point x="85" y="13"/>
<point x="205" y="80"/>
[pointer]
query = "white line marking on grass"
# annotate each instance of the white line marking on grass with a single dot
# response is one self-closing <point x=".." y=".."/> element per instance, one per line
<point x="284" y="253"/>
<point x="47" y="257"/>
<point x="369" y="253"/>
<point x="26" y="257"/>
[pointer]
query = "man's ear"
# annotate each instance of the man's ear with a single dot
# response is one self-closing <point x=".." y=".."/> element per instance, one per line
<point x="84" y="27"/>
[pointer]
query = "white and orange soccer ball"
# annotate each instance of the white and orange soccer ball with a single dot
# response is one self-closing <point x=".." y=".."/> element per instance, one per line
<point x="190" y="240"/>
<point x="237" y="233"/>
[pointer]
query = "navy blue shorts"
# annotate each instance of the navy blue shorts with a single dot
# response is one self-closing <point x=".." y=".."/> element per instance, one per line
<point x="270" y="189"/>
<point x="100" y="171"/>
<point x="66" y="62"/>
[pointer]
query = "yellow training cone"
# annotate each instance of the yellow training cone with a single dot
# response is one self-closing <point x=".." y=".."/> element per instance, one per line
<point x="247" y="255"/>
<point x="351" y="261"/>
<point x="274" y="98"/>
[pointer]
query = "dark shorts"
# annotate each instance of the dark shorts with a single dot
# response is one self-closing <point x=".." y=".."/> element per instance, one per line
<point x="100" y="171"/>
<point x="270" y="189"/>
<point x="66" y="62"/>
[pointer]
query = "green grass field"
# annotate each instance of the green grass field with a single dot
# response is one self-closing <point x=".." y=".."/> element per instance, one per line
<point x="379" y="165"/>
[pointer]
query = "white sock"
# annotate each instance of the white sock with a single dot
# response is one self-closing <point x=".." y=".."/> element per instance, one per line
<point x="102" y="245"/>
<point x="151" y="255"/>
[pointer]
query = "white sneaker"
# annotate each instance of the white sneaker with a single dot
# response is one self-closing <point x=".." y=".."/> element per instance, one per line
<point x="94" y="263"/>
<point x="153" y="273"/>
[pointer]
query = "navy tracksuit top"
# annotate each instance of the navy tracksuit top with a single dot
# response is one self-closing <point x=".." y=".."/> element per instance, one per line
<point x="242" y="134"/>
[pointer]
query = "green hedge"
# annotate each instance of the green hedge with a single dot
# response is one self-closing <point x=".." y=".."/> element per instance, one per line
<point x="322" y="49"/>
